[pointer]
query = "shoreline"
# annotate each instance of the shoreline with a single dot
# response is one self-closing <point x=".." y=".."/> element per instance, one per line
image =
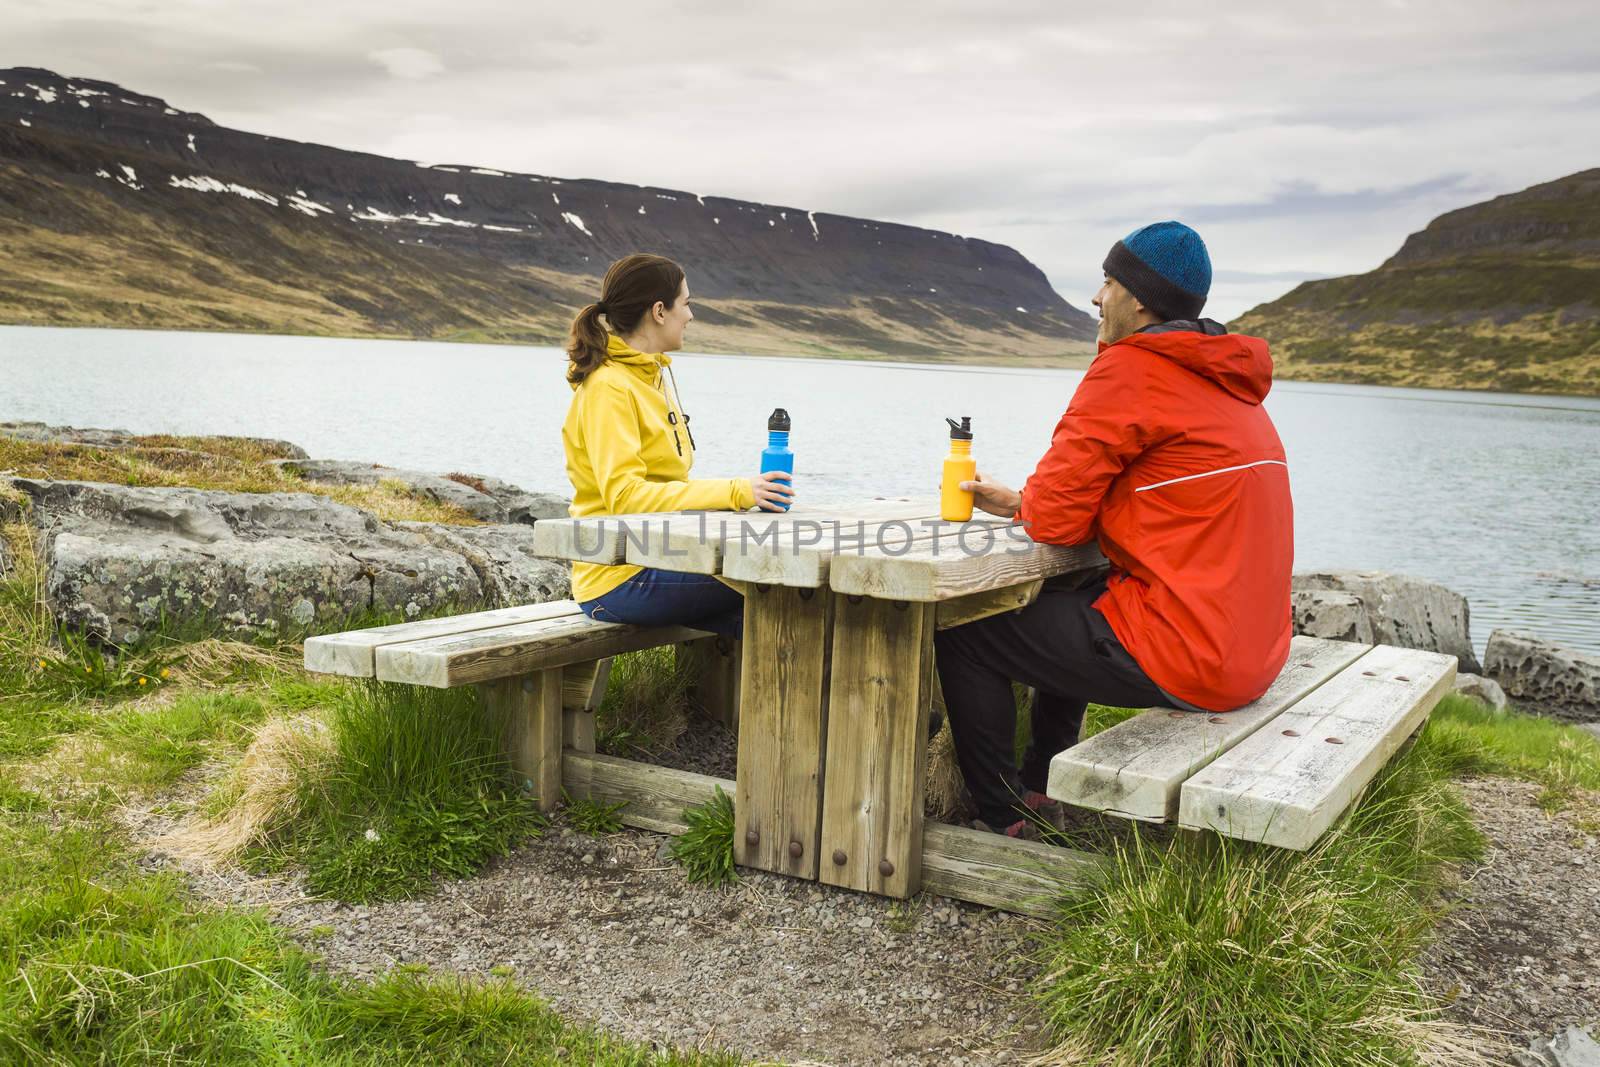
<point x="1068" y="360"/>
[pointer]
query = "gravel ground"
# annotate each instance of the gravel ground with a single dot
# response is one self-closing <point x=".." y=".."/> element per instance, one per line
<point x="608" y="931"/>
<point x="1523" y="948"/>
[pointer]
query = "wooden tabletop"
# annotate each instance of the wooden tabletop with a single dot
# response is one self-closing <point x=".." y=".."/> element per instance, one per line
<point x="888" y="548"/>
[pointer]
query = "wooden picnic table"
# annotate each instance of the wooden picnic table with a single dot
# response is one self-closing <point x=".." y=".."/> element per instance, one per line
<point x="836" y="677"/>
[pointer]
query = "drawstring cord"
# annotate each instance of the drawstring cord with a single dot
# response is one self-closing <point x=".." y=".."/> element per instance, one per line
<point x="677" y="402"/>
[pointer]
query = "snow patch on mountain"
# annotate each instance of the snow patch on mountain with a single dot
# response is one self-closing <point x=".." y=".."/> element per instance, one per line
<point x="204" y="183"/>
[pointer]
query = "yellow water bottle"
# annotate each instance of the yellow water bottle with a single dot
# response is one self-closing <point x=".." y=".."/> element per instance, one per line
<point x="955" y="503"/>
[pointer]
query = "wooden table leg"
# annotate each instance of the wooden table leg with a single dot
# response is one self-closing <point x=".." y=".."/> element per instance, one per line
<point x="783" y="718"/>
<point x="882" y="688"/>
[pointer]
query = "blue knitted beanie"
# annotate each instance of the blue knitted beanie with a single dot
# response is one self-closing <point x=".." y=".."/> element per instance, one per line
<point x="1165" y="266"/>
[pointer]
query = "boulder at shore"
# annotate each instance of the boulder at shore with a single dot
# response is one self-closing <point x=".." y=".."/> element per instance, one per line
<point x="1377" y="607"/>
<point x="1563" y="682"/>
<point x="119" y="560"/>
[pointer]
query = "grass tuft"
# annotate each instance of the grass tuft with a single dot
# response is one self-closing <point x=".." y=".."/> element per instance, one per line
<point x="706" y="849"/>
<point x="646" y="707"/>
<point x="417" y="787"/>
<point x="1211" y="950"/>
<point x="591" y="817"/>
<point x="385" y="790"/>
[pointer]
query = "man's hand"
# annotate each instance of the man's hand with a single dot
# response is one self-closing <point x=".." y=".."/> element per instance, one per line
<point x="989" y="495"/>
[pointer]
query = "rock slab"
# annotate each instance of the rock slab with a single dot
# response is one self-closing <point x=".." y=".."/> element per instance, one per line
<point x="1384" y="608"/>
<point x="1571" y="1047"/>
<point x="485" y="499"/>
<point x="1562" y="681"/>
<point x="99" y="438"/>
<point x="121" y="561"/>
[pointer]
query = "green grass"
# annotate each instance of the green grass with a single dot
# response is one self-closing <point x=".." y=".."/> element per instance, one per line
<point x="1469" y="738"/>
<point x="646" y="705"/>
<point x="1225" y="953"/>
<point x="706" y="850"/>
<point x="590" y="816"/>
<point x="416" y="787"/>
<point x="101" y="963"/>
<point x="165" y="740"/>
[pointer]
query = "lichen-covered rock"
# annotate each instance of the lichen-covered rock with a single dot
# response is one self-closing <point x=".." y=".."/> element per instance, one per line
<point x="38" y="431"/>
<point x="120" y="561"/>
<point x="1400" y="610"/>
<point x="1560" y="680"/>
<point x="504" y="560"/>
<point x="485" y="499"/>
<point x="1479" y="688"/>
<point x="1331" y="615"/>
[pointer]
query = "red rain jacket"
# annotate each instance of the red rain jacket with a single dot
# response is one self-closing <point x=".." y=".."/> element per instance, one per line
<point x="1166" y="456"/>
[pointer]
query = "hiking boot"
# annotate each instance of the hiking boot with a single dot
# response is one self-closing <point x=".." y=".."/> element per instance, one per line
<point x="1022" y="829"/>
<point x="1045" y="817"/>
<point x="1049" y="812"/>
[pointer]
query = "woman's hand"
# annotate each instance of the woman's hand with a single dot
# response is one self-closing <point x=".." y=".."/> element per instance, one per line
<point x="771" y="492"/>
<point x="989" y="495"/>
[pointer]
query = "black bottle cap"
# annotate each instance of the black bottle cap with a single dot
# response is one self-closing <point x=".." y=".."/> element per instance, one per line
<point x="778" y="420"/>
<point x="961" y="431"/>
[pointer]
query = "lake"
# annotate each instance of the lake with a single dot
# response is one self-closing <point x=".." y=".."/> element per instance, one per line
<point x="1495" y="495"/>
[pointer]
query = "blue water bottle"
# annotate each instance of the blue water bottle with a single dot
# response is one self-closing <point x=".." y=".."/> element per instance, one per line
<point x="778" y="456"/>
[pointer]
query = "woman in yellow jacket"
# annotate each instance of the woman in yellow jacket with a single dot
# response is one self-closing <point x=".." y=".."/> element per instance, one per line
<point x="629" y="448"/>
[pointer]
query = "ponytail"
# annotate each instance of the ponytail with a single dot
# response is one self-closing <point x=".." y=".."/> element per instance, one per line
<point x="633" y="285"/>
<point x="586" y="344"/>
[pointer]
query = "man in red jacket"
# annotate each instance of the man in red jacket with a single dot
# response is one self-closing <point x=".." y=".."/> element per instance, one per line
<point x="1167" y="458"/>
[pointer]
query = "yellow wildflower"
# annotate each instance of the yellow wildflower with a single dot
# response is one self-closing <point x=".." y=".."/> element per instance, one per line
<point x="141" y="681"/>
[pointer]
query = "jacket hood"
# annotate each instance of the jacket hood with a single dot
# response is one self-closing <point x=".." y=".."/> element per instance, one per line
<point x="1237" y="362"/>
<point x="647" y="365"/>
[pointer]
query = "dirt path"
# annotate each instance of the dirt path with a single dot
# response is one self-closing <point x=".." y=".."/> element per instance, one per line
<point x="1523" y="947"/>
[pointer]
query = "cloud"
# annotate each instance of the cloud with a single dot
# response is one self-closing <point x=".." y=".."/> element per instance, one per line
<point x="411" y="64"/>
<point x="1303" y="139"/>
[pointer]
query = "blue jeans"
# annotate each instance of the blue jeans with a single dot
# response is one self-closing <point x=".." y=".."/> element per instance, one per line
<point x="664" y="598"/>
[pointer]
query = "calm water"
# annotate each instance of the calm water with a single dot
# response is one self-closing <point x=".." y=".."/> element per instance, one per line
<point x="1497" y="496"/>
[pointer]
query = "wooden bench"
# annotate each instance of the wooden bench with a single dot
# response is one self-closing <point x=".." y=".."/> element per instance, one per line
<point x="1279" y="771"/>
<point x="544" y="667"/>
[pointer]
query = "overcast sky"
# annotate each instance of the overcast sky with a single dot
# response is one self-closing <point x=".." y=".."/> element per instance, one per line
<point x="1301" y="139"/>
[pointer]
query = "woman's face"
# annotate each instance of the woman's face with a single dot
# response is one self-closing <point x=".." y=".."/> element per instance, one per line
<point x="675" y="319"/>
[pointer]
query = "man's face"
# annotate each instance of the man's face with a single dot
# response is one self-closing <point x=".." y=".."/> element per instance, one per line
<point x="1120" y="313"/>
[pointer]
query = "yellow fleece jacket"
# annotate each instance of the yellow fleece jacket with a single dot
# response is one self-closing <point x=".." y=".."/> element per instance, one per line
<point x="624" y="457"/>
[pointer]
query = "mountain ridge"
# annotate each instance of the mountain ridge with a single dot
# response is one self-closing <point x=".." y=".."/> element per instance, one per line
<point x="104" y="190"/>
<point x="1502" y="294"/>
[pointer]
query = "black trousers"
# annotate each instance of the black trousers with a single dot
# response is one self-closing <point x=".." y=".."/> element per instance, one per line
<point x="1062" y="647"/>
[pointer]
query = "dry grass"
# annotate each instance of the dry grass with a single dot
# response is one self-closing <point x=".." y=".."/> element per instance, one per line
<point x="232" y="464"/>
<point x="261" y="794"/>
<point x="945" y="794"/>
